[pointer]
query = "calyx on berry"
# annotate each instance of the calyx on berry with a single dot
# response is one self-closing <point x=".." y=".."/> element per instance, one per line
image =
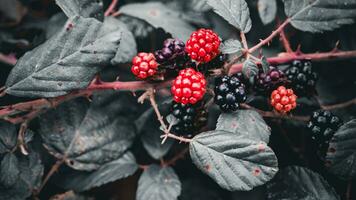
<point x="144" y="65"/>
<point x="203" y="45"/>
<point x="283" y="100"/>
<point x="189" y="86"/>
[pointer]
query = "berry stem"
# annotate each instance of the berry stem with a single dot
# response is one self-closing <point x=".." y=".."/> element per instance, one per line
<point x="111" y="7"/>
<point x="243" y="40"/>
<point x="270" y="37"/>
<point x="284" y="58"/>
<point x="179" y="138"/>
<point x="53" y="170"/>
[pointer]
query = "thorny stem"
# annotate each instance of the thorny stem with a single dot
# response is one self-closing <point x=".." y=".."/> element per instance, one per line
<point x="243" y="40"/>
<point x="178" y="156"/>
<point x="111" y="7"/>
<point x="340" y="105"/>
<point x="21" y="138"/>
<point x="53" y="170"/>
<point x="285" y="41"/>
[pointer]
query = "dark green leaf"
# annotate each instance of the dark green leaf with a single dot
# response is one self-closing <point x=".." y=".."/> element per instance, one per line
<point x="265" y="64"/>
<point x="67" y="61"/>
<point x="88" y="136"/>
<point x="12" y="11"/>
<point x="267" y="9"/>
<point x="121" y="168"/>
<point x="320" y="15"/>
<point x="341" y="157"/>
<point x="9" y="170"/>
<point x="247" y="123"/>
<point x="149" y="129"/>
<point x="128" y="48"/>
<point x="233" y="161"/>
<point x="157" y="183"/>
<point x="29" y="178"/>
<point x="8" y="136"/>
<point x="249" y="69"/>
<point x="299" y="183"/>
<point x="231" y="46"/>
<point x="159" y="16"/>
<point x="235" y="12"/>
<point x="83" y="8"/>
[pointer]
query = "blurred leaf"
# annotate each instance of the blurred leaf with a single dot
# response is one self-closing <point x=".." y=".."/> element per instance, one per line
<point x="247" y="123"/>
<point x="249" y="69"/>
<point x="8" y="136"/>
<point x="9" y="170"/>
<point x="149" y="129"/>
<point x="199" y="5"/>
<point x="341" y="156"/>
<point x="233" y="161"/>
<point x="267" y="9"/>
<point x="231" y="46"/>
<point x="70" y="195"/>
<point x="159" y="16"/>
<point x="127" y="48"/>
<point x="157" y="183"/>
<point x="138" y="27"/>
<point x="120" y="168"/>
<point x="320" y="15"/>
<point x="66" y="62"/>
<point x="28" y="179"/>
<point x="299" y="183"/>
<point x="12" y="12"/>
<point x="83" y="8"/>
<point x="88" y="136"/>
<point x="235" y="12"/>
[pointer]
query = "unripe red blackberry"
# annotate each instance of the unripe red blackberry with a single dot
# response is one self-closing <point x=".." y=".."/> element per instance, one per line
<point x="266" y="82"/>
<point x="189" y="86"/>
<point x="229" y="93"/>
<point x="322" y="127"/>
<point x="283" y="100"/>
<point x="144" y="65"/>
<point x="191" y="118"/>
<point x="302" y="77"/>
<point x="203" y="45"/>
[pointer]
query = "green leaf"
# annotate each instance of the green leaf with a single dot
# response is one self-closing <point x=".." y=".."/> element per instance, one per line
<point x="83" y="8"/>
<point x="88" y="136"/>
<point x="267" y="9"/>
<point x="341" y="156"/>
<point x="233" y="161"/>
<point x="118" y="169"/>
<point x="8" y="136"/>
<point x="157" y="183"/>
<point x="249" y="69"/>
<point x="231" y="46"/>
<point x="150" y="135"/>
<point x="265" y="64"/>
<point x="9" y="170"/>
<point x="29" y="178"/>
<point x="320" y="15"/>
<point x="299" y="183"/>
<point x="235" y="12"/>
<point x="159" y="16"/>
<point x="66" y="62"/>
<point x="127" y="48"/>
<point x="247" y="123"/>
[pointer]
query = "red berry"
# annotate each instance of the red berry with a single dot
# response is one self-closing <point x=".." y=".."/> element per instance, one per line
<point x="144" y="65"/>
<point x="283" y="100"/>
<point x="189" y="86"/>
<point x="203" y="45"/>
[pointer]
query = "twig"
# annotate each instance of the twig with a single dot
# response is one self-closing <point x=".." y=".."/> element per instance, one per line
<point x="339" y="105"/>
<point x="111" y="7"/>
<point x="178" y="156"/>
<point x="179" y="138"/>
<point x="21" y="138"/>
<point x="243" y="40"/>
<point x="54" y="169"/>
<point x="349" y="190"/>
<point x="285" y="40"/>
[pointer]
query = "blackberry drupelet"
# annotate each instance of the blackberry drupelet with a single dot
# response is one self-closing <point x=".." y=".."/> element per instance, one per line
<point x="172" y="49"/>
<point x="267" y="82"/>
<point x="190" y="118"/>
<point x="322" y="126"/>
<point x="302" y="77"/>
<point x="229" y="93"/>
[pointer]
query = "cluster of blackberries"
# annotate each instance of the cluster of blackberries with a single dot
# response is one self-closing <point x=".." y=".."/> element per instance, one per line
<point x="191" y="118"/>
<point x="322" y="126"/>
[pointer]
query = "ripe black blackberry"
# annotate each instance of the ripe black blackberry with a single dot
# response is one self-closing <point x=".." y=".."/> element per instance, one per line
<point x="172" y="49"/>
<point x="191" y="118"/>
<point x="322" y="126"/>
<point x="302" y="78"/>
<point x="216" y="63"/>
<point x="266" y="82"/>
<point x="229" y="93"/>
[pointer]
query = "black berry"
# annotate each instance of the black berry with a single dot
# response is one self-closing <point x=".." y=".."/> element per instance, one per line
<point x="191" y="118"/>
<point x="301" y="77"/>
<point x="172" y="49"/>
<point x="229" y="93"/>
<point x="322" y="126"/>
<point x="266" y="82"/>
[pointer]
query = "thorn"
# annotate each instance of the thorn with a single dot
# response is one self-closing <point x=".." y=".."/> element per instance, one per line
<point x="336" y="48"/>
<point x="298" y="51"/>
<point x="117" y="78"/>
